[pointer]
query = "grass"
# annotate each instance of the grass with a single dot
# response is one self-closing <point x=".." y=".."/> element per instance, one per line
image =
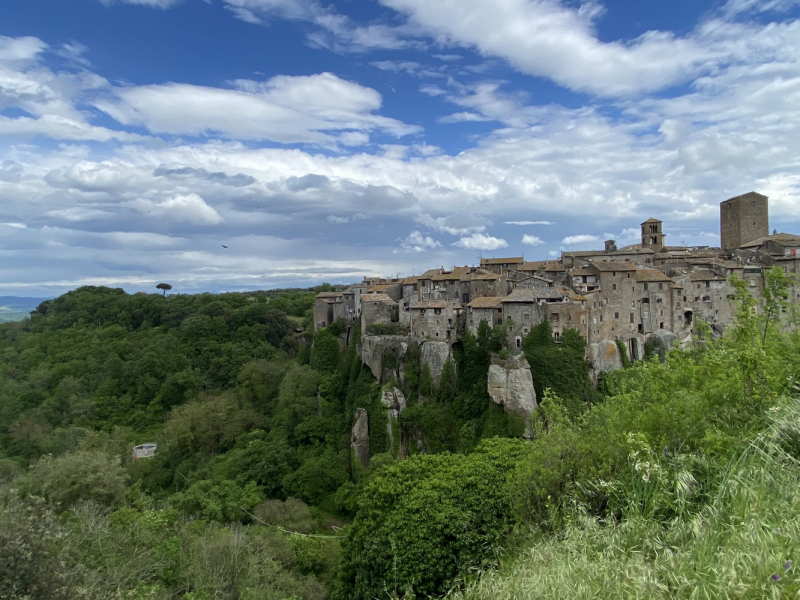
<point x="744" y="544"/>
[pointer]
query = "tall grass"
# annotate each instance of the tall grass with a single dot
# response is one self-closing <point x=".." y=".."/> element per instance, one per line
<point x="743" y="543"/>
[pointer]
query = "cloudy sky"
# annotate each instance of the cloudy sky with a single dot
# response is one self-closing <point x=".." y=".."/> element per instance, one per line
<point x="325" y="141"/>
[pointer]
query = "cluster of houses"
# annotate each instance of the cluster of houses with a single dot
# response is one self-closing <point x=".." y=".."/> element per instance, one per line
<point x="624" y="294"/>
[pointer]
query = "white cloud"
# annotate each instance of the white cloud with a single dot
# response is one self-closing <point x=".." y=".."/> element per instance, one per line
<point x="283" y="109"/>
<point x="480" y="241"/>
<point x="528" y="223"/>
<point x="580" y="239"/>
<point x="455" y="224"/>
<point x="337" y="220"/>
<point x="416" y="242"/>
<point x="532" y="240"/>
<point x="190" y="208"/>
<point x="548" y="38"/>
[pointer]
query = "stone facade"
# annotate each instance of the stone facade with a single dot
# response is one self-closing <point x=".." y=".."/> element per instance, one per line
<point x="743" y="219"/>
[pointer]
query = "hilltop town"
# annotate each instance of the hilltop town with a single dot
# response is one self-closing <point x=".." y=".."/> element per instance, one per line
<point x="627" y="294"/>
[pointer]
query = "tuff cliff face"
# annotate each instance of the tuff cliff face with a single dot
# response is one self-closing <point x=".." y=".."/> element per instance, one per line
<point x="372" y="349"/>
<point x="359" y="437"/>
<point x="435" y="354"/>
<point x="395" y="403"/>
<point x="511" y="386"/>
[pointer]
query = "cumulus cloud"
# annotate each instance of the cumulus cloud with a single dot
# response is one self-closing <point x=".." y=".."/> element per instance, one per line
<point x="580" y="239"/>
<point x="416" y="242"/>
<point x="480" y="241"/>
<point x="320" y="109"/>
<point x="337" y="220"/>
<point x="455" y="224"/>
<point x="532" y="240"/>
<point x="190" y="208"/>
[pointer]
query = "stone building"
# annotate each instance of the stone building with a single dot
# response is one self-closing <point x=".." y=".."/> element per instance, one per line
<point x="743" y="219"/>
<point x="652" y="235"/>
<point x="328" y="307"/>
<point x="488" y="308"/>
<point x="434" y="320"/>
<point x="502" y="266"/>
<point x="377" y="309"/>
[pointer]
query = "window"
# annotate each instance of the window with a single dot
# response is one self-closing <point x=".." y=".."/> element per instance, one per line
<point x="706" y="298"/>
<point x="631" y="317"/>
<point x="645" y="288"/>
<point x="614" y="286"/>
<point x="658" y="301"/>
<point x="613" y="273"/>
<point x="684" y="298"/>
<point x="616" y="315"/>
<point x="697" y="298"/>
<point x="629" y="275"/>
<point x="437" y="311"/>
<point x="601" y="318"/>
<point x="661" y="286"/>
<point x="708" y="284"/>
<point x="645" y="300"/>
<point x="633" y="305"/>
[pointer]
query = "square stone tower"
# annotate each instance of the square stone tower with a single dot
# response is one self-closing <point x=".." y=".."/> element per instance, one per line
<point x="743" y="219"/>
<point x="652" y="234"/>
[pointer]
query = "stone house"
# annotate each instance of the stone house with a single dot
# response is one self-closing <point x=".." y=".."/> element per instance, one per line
<point x="377" y="309"/>
<point x="448" y="283"/>
<point x="328" y="307"/>
<point x="425" y="281"/>
<point x="433" y="320"/>
<point x="487" y="308"/>
<point x="523" y="309"/>
<point x="654" y="303"/>
<point x="393" y="289"/>
<point x="502" y="266"/>
<point x="481" y="283"/>
<point x="613" y="310"/>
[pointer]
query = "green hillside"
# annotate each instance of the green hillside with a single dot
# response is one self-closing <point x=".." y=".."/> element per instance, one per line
<point x="676" y="479"/>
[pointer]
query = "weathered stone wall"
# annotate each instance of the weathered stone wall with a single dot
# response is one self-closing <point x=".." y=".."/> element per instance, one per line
<point x="511" y="386"/>
<point x="359" y="437"/>
<point x="603" y="356"/>
<point x="435" y="354"/>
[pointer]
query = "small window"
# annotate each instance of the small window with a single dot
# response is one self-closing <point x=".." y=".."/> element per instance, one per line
<point x="614" y="286"/>
<point x="613" y="273"/>
<point x="437" y="311"/>
<point x="661" y="286"/>
<point x="708" y="284"/>
<point x="631" y="317"/>
<point x="658" y="301"/>
<point x="616" y="315"/>
<point x="697" y="298"/>
<point x="645" y="286"/>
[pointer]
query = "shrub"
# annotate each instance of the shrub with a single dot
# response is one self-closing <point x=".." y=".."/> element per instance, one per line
<point x="424" y="521"/>
<point x="79" y="476"/>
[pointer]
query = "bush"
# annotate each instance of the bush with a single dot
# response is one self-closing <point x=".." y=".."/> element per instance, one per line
<point x="424" y="521"/>
<point x="79" y="476"/>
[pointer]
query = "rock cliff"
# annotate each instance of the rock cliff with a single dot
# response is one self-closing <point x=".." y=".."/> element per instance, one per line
<point x="359" y="437"/>
<point x="603" y="356"/>
<point x="511" y="386"/>
<point x="395" y="403"/>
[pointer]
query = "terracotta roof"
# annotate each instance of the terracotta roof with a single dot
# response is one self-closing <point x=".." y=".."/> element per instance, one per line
<point x="532" y="266"/>
<point x="454" y="275"/>
<point x="614" y="265"/>
<point x="325" y="295"/>
<point x="377" y="298"/>
<point x="554" y="265"/>
<point x="382" y="287"/>
<point x="786" y="239"/>
<point x="486" y="302"/>
<point x="704" y="275"/>
<point x="432" y="304"/>
<point x="502" y="261"/>
<point x="429" y="274"/>
<point x="582" y="272"/>
<point x="410" y="280"/>
<point x="652" y="220"/>
<point x="534" y="294"/>
<point x="651" y="275"/>
<point x="485" y="277"/>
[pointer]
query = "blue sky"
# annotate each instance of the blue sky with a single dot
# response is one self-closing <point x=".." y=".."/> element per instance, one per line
<point x="327" y="141"/>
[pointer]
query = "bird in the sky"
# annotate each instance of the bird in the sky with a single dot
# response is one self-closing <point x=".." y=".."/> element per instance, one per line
<point x="224" y="246"/>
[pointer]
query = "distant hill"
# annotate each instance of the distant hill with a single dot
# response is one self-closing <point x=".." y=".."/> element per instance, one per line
<point x="16" y="308"/>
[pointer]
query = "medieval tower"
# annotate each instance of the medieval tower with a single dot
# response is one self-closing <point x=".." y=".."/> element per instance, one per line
<point x="743" y="219"/>
<point x="652" y="234"/>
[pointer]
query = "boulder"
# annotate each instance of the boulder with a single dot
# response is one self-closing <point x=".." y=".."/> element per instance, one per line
<point x="435" y="354"/>
<point x="359" y="437"/>
<point x="667" y="338"/>
<point x="395" y="403"/>
<point x="603" y="356"/>
<point x="511" y="386"/>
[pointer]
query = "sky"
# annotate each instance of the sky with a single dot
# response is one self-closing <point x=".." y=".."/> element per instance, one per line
<point x="223" y="145"/>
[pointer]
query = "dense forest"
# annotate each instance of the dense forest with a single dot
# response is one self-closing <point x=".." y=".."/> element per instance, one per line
<point x="676" y="477"/>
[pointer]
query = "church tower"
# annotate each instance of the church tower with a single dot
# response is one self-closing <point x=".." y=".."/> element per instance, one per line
<point x="652" y="236"/>
<point x="743" y="219"/>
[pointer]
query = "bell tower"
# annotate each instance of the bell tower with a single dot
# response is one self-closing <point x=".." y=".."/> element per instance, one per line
<point x="652" y="235"/>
